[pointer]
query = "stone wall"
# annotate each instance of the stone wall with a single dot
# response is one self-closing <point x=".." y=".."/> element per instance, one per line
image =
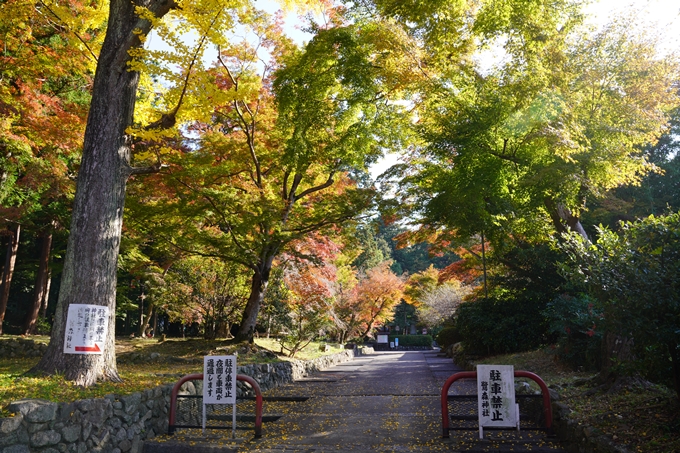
<point x="270" y="375"/>
<point x="22" y="347"/>
<point x="121" y="424"/>
<point x="110" y="424"/>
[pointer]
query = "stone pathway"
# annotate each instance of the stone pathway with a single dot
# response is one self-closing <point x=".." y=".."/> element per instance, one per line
<point x="383" y="402"/>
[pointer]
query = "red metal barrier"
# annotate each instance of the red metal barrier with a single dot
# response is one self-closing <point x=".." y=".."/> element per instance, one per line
<point x="199" y="377"/>
<point x="547" y="408"/>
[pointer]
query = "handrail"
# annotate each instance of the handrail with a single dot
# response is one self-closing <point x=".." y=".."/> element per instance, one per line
<point x="199" y="377"/>
<point x="547" y="407"/>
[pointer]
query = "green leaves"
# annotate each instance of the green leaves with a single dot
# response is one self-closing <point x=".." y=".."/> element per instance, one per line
<point x="518" y="150"/>
<point x="635" y="275"/>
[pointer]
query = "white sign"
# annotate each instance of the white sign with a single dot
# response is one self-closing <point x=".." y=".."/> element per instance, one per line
<point x="219" y="379"/>
<point x="496" y="397"/>
<point x="219" y="384"/>
<point x="86" y="327"/>
<point x="382" y="338"/>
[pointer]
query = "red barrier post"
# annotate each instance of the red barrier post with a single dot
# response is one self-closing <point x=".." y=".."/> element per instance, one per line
<point x="547" y="407"/>
<point x="199" y="377"/>
<point x="445" y="397"/>
<point x="173" y="399"/>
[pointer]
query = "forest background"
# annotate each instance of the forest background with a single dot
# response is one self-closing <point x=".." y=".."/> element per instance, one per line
<point x="248" y="204"/>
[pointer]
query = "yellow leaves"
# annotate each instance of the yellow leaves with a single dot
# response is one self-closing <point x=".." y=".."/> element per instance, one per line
<point x="85" y="24"/>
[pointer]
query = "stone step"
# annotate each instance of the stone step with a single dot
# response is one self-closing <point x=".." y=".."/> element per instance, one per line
<point x="539" y="444"/>
<point x="194" y="444"/>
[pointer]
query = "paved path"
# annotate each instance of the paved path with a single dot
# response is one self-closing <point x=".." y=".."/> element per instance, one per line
<point x="388" y="401"/>
<point x="383" y="402"/>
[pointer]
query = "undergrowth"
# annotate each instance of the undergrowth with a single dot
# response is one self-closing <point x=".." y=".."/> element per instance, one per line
<point x="642" y="416"/>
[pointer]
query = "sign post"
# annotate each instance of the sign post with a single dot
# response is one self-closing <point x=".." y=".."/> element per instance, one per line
<point x="496" y="397"/>
<point x="219" y="384"/>
<point x="86" y="327"/>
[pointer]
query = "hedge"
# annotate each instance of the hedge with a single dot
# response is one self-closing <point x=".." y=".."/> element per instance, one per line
<point x="412" y="340"/>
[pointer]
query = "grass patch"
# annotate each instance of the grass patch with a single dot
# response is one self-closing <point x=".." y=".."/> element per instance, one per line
<point x="310" y="352"/>
<point x="138" y="371"/>
<point x="642" y="416"/>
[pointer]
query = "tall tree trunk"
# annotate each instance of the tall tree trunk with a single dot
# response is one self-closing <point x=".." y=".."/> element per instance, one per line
<point x="8" y="271"/>
<point x="41" y="284"/>
<point x="46" y="296"/>
<point x="89" y="275"/>
<point x="144" y="321"/>
<point x="615" y="349"/>
<point x="258" y="288"/>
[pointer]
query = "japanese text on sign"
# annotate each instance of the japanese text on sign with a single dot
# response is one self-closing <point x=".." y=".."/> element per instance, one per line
<point x="86" y="327"/>
<point x="496" y="396"/>
<point x="219" y="379"/>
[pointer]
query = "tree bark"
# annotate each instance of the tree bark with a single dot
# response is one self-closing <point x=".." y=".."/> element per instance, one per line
<point x="41" y="284"/>
<point x="258" y="288"/>
<point x="563" y="219"/>
<point x="674" y="352"/>
<point x="146" y="318"/>
<point x="46" y="297"/>
<point x="90" y="265"/>
<point x="8" y="272"/>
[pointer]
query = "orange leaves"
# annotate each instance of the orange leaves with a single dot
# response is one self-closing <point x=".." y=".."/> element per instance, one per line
<point x="43" y="105"/>
<point x="467" y="270"/>
<point x="376" y="296"/>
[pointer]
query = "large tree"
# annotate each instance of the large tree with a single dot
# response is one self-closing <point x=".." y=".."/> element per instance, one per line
<point x="46" y="71"/>
<point x="90" y="266"/>
<point x="516" y="152"/>
<point x="283" y="153"/>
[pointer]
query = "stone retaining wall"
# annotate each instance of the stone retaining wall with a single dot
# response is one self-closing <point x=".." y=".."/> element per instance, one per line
<point x="22" y="347"/>
<point x="121" y="424"/>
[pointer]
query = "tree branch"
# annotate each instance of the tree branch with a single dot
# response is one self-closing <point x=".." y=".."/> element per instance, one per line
<point x="168" y="120"/>
<point x="73" y="32"/>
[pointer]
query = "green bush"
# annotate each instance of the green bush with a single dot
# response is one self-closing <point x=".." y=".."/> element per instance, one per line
<point x="448" y="336"/>
<point x="500" y="326"/>
<point x="577" y="323"/>
<point x="412" y="340"/>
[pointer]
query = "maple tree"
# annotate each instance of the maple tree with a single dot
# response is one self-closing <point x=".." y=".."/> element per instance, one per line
<point x="311" y="298"/>
<point x="46" y="68"/>
<point x="515" y="152"/>
<point x="206" y="291"/>
<point x="420" y="284"/>
<point x="374" y="299"/>
<point x="276" y="160"/>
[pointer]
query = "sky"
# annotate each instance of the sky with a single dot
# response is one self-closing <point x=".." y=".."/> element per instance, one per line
<point x="664" y="15"/>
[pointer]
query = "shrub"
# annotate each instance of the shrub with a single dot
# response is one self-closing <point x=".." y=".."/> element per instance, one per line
<point x="448" y="336"/>
<point x="577" y="324"/>
<point x="499" y="326"/>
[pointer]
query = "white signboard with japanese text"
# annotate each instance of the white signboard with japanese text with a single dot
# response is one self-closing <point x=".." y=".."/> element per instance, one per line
<point x="219" y="384"/>
<point x="86" y="327"/>
<point x="219" y="379"/>
<point x="496" y="397"/>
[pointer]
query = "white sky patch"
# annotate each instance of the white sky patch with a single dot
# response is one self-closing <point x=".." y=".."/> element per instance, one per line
<point x="661" y="16"/>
